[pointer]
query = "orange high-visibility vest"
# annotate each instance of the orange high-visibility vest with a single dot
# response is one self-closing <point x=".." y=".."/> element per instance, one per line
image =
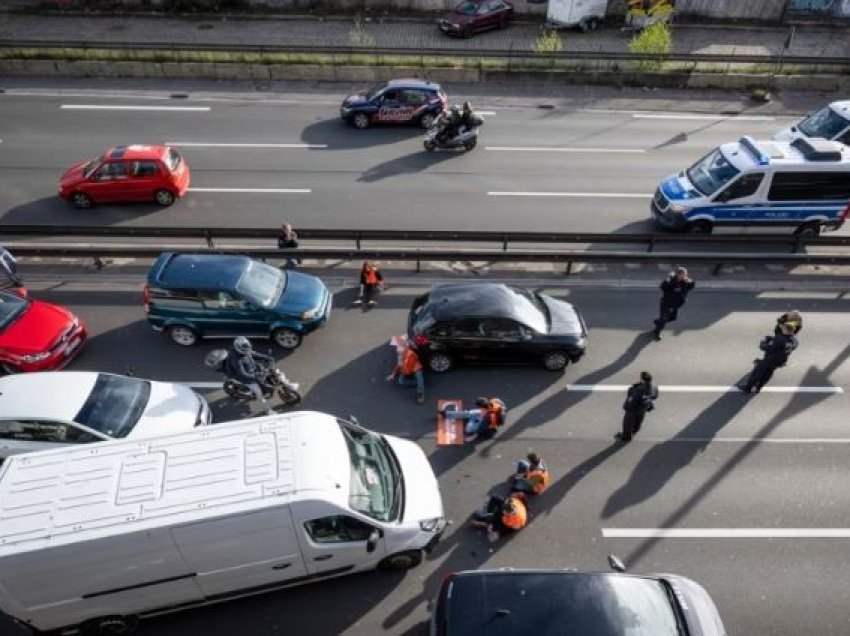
<point x="410" y="364"/>
<point x="517" y="519"/>
<point x="371" y="276"/>
<point x="538" y="479"/>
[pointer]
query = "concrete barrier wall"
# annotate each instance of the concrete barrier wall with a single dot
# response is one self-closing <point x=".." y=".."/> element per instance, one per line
<point x="762" y="10"/>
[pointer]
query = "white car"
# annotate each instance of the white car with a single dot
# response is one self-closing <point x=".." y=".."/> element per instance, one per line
<point x="830" y="122"/>
<point x="39" y="411"/>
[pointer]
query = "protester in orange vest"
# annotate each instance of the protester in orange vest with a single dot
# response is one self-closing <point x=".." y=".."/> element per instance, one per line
<point x="483" y="421"/>
<point x="371" y="280"/>
<point x="532" y="476"/>
<point x="503" y="515"/>
<point x="408" y="367"/>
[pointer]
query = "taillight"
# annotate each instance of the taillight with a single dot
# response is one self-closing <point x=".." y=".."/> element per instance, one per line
<point x="846" y="213"/>
<point x="146" y="298"/>
<point x="420" y="340"/>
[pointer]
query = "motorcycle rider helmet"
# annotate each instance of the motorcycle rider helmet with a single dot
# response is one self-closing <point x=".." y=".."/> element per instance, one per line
<point x="467" y="107"/>
<point x="242" y="345"/>
<point x="455" y="111"/>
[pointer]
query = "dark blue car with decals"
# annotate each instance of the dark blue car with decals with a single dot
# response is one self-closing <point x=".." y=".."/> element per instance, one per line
<point x="401" y="101"/>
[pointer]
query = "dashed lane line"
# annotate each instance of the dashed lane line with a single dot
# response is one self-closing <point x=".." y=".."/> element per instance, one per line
<point x="204" y="144"/>
<point x="726" y="533"/>
<point x="703" y="117"/>
<point x="255" y="190"/>
<point x="635" y="151"/>
<point x="673" y="388"/>
<point x="178" y="109"/>
<point x="585" y="195"/>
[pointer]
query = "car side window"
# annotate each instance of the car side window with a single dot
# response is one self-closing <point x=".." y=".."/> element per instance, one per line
<point x="38" y="431"/>
<point x="845" y="138"/>
<point x="467" y="328"/>
<point x="175" y="298"/>
<point x="483" y="8"/>
<point x="337" y="529"/>
<point x="496" y="5"/>
<point x="216" y="299"/>
<point x="143" y="168"/>
<point x="412" y="96"/>
<point x="501" y="328"/>
<point x="112" y="170"/>
<point x="743" y="187"/>
<point x="390" y="96"/>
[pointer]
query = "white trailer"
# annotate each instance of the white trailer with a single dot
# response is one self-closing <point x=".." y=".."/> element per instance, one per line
<point x="583" y="14"/>
<point x="93" y="538"/>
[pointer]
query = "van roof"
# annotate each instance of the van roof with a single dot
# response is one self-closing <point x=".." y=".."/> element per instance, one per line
<point x="80" y="493"/>
<point x="806" y="153"/>
<point x="198" y="271"/>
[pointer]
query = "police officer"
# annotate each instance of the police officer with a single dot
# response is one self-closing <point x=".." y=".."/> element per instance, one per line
<point x="793" y="318"/>
<point x="639" y="400"/>
<point x="674" y="291"/>
<point x="776" y="349"/>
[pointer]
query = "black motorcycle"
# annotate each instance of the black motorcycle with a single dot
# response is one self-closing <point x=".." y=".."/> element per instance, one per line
<point x="272" y="380"/>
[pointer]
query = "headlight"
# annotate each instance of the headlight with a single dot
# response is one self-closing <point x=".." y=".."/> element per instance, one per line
<point x="430" y="525"/>
<point x="345" y="109"/>
<point x="36" y="357"/>
<point x="455" y="26"/>
<point x="678" y="209"/>
<point x="309" y="315"/>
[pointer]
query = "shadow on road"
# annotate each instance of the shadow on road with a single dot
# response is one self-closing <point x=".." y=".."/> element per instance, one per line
<point x="338" y="135"/>
<point x="54" y="211"/>
<point x="411" y="164"/>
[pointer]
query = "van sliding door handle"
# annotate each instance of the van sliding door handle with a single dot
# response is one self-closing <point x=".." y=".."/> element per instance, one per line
<point x="281" y="566"/>
<point x="324" y="557"/>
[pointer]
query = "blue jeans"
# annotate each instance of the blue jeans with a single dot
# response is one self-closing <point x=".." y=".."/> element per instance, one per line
<point x="419" y="379"/>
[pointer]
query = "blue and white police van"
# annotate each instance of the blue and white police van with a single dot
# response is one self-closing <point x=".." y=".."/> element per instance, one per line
<point x="800" y="186"/>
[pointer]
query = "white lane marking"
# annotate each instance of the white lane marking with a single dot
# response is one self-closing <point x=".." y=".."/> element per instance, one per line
<point x="202" y="144"/>
<point x="587" y="195"/>
<point x="255" y="190"/>
<point x="487" y="113"/>
<point x="202" y="385"/>
<point x="187" y="109"/>
<point x="726" y="533"/>
<point x="749" y="440"/>
<point x="673" y="388"/>
<point x="702" y="117"/>
<point x="543" y="149"/>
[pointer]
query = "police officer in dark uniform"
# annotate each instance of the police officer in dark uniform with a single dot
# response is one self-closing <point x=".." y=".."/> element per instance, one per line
<point x="639" y="400"/>
<point x="776" y="349"/>
<point x="674" y="291"/>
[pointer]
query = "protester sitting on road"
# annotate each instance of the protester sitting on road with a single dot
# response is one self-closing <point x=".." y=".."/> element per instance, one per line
<point x="502" y="515"/>
<point x="371" y="280"/>
<point x="532" y="476"/>
<point x="482" y="421"/>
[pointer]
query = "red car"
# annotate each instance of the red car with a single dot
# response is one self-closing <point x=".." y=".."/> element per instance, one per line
<point x="472" y="16"/>
<point x="36" y="336"/>
<point x="127" y="173"/>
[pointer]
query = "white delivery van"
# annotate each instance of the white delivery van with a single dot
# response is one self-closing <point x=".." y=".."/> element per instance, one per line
<point x="584" y="14"/>
<point x="830" y="122"/>
<point x="94" y="538"/>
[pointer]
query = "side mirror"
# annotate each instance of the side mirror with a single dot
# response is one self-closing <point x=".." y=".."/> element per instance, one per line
<point x="615" y="564"/>
<point x="372" y="541"/>
<point x="353" y="420"/>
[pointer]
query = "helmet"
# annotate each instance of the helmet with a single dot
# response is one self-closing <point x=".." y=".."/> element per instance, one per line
<point x="482" y="402"/>
<point x="467" y="106"/>
<point x="242" y="345"/>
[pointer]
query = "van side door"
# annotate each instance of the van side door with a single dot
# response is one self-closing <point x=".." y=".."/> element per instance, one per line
<point x="739" y="200"/>
<point x="337" y="542"/>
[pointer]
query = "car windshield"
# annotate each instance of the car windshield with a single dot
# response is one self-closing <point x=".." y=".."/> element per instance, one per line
<point x="711" y="173"/>
<point x="91" y="167"/>
<point x="376" y="486"/>
<point x="261" y="284"/>
<point x="467" y="8"/>
<point x="373" y="92"/>
<point x="115" y="404"/>
<point x="530" y="310"/>
<point x="825" y="123"/>
<point x="553" y="604"/>
<point x="11" y="307"/>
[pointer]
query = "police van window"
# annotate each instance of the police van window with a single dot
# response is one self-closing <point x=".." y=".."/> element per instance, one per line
<point x="743" y="187"/>
<point x="810" y="186"/>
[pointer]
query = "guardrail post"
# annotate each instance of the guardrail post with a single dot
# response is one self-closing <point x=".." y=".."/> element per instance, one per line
<point x="651" y="245"/>
<point x="357" y="237"/>
<point x="418" y="263"/>
<point x="717" y="269"/>
<point x="209" y="239"/>
<point x="569" y="269"/>
<point x="98" y="263"/>
<point x="504" y="242"/>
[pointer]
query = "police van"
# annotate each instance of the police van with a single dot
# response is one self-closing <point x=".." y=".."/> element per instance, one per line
<point x="801" y="187"/>
<point x="830" y="122"/>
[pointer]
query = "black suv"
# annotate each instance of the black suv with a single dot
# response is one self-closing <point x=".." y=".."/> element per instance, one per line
<point x="495" y="323"/>
<point x="509" y="602"/>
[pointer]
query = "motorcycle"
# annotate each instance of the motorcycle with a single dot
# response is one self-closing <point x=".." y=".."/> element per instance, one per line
<point x="272" y="380"/>
<point x="466" y="137"/>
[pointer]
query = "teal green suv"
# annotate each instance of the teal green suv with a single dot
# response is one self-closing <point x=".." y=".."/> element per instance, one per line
<point x="194" y="296"/>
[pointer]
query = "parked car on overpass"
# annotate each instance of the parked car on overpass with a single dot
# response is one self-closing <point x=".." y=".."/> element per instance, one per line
<point x="472" y="16"/>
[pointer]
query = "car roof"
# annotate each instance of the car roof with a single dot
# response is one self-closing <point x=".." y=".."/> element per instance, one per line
<point x="413" y="82"/>
<point x="135" y="152"/>
<point x="198" y="271"/>
<point x="457" y="300"/>
<point x="24" y="395"/>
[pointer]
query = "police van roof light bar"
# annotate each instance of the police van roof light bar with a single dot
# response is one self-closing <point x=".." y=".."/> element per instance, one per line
<point x="750" y="144"/>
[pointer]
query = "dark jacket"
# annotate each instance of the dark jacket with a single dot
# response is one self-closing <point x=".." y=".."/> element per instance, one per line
<point x="777" y="349"/>
<point x="290" y="242"/>
<point x="675" y="291"/>
<point x="640" y="397"/>
<point x="241" y="367"/>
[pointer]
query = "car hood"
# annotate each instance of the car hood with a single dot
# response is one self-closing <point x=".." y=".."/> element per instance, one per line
<point x="172" y="408"/>
<point x="564" y="319"/>
<point x="357" y="99"/>
<point x="73" y="175"/>
<point x="458" y="18"/>
<point x="39" y="327"/>
<point x="421" y="492"/>
<point x="699" y="609"/>
<point x="303" y="293"/>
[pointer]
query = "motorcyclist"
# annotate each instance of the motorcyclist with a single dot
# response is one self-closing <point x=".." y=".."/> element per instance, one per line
<point x="468" y="118"/>
<point x="452" y="120"/>
<point x="242" y="366"/>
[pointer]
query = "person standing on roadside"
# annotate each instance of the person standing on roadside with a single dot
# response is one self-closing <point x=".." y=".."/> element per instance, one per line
<point x="288" y="240"/>
<point x="776" y="349"/>
<point x="371" y="280"/>
<point x="674" y="291"/>
<point x="639" y="401"/>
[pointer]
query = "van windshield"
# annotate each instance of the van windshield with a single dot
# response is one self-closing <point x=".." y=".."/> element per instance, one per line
<point x="261" y="284"/>
<point x="825" y="123"/>
<point x="711" y="173"/>
<point x="375" y="482"/>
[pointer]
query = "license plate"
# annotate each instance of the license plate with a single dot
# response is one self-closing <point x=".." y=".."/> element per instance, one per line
<point x="71" y="348"/>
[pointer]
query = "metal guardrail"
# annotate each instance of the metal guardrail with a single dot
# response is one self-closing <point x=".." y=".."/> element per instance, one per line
<point x="695" y="59"/>
<point x="417" y="253"/>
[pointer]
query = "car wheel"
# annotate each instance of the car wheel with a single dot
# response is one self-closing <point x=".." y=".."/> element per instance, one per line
<point x="698" y="228"/>
<point x="164" y="197"/>
<point x="81" y="201"/>
<point x="469" y="144"/>
<point x="594" y="24"/>
<point x="287" y="338"/>
<point x="8" y="369"/>
<point x="427" y="120"/>
<point x="361" y="121"/>
<point x="584" y="26"/>
<point x="401" y="561"/>
<point x="440" y="362"/>
<point x="809" y="230"/>
<point x="429" y="145"/>
<point x="556" y="360"/>
<point x="183" y="335"/>
<point x="110" y="626"/>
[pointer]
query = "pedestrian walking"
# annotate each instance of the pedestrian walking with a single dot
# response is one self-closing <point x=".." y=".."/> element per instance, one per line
<point x="371" y="280"/>
<point x="776" y="350"/>
<point x="10" y="267"/>
<point x="793" y="318"/>
<point x="639" y="401"/>
<point x="288" y="240"/>
<point x="674" y="291"/>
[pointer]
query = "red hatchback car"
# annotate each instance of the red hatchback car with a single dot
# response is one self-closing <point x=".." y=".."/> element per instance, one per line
<point x="472" y="16"/>
<point x="127" y="173"/>
<point x="36" y="336"/>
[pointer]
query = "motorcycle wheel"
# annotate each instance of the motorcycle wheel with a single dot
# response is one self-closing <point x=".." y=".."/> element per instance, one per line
<point x="429" y="145"/>
<point x="289" y="397"/>
<point x="469" y="144"/>
<point x="231" y="388"/>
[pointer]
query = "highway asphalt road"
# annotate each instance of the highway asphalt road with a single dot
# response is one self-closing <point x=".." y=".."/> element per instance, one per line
<point x="259" y="162"/>
<point x="757" y="485"/>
